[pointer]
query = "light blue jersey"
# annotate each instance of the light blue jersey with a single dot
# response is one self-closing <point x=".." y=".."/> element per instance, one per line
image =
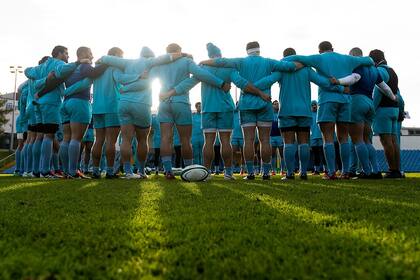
<point x="171" y="75"/>
<point x="39" y="74"/>
<point x="214" y="99"/>
<point x="138" y="91"/>
<point x="106" y="94"/>
<point x="254" y="68"/>
<point x="295" y="90"/>
<point x="332" y="64"/>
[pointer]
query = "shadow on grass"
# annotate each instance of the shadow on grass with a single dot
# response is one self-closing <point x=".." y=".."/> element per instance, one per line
<point x="221" y="230"/>
<point x="68" y="229"/>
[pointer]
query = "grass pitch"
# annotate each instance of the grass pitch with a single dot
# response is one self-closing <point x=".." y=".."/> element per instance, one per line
<point x="89" y="229"/>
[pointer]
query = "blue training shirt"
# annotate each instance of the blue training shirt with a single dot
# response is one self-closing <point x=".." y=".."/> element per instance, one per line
<point x="369" y="78"/>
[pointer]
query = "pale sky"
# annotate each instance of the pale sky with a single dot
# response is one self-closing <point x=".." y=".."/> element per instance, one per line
<point x="29" y="29"/>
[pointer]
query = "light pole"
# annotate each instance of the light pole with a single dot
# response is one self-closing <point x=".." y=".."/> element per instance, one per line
<point x="14" y="70"/>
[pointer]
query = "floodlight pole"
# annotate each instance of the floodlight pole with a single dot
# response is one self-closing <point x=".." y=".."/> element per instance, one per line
<point x="14" y="70"/>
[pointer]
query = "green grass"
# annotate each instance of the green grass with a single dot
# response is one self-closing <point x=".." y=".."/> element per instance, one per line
<point x="157" y="229"/>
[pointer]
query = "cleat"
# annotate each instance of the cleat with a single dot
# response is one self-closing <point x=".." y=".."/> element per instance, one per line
<point x="303" y="177"/>
<point x="249" y="177"/>
<point x="170" y="176"/>
<point x="287" y="177"/>
<point x="142" y="176"/>
<point x="108" y="176"/>
<point x="376" y="175"/>
<point x="131" y="176"/>
<point x="329" y="177"/>
<point x="273" y="173"/>
<point x="81" y="175"/>
<point x="345" y="176"/>
<point x="266" y="177"/>
<point x="229" y="177"/>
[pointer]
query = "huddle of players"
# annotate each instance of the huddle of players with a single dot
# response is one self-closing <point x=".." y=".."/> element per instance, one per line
<point x="353" y="92"/>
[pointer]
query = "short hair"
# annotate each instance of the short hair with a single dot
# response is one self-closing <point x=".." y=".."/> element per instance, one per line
<point x="115" y="51"/>
<point x="356" y="51"/>
<point x="289" y="52"/>
<point x="252" y="45"/>
<point x="57" y="50"/>
<point x="197" y="103"/>
<point x="81" y="51"/>
<point x="377" y="56"/>
<point x="275" y="101"/>
<point x="45" y="58"/>
<point x="325" y="46"/>
<point x="173" y="48"/>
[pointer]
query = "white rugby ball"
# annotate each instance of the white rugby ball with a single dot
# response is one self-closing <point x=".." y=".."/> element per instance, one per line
<point x="194" y="173"/>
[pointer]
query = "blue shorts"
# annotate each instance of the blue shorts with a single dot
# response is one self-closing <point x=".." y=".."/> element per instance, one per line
<point x="50" y="114"/>
<point x="237" y="142"/>
<point x="89" y="136"/>
<point x="262" y="117"/>
<point x="177" y="113"/>
<point x="362" y="110"/>
<point x="334" y="112"/>
<point x="138" y="114"/>
<point x="276" y="141"/>
<point x="289" y="122"/>
<point x="76" y="110"/>
<point x="222" y="121"/>
<point x="106" y="120"/>
<point x="316" y="142"/>
<point x="385" y="121"/>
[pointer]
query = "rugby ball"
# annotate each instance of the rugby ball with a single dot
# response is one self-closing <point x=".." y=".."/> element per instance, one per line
<point x="194" y="173"/>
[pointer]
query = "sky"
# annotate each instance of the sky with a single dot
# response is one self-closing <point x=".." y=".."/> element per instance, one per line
<point x="29" y="29"/>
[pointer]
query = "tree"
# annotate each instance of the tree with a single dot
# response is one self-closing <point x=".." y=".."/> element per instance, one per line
<point x="3" y="114"/>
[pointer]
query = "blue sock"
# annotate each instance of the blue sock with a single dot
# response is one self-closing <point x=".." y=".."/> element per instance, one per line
<point x="363" y="156"/>
<point x="250" y="167"/>
<point x="36" y="154"/>
<point x="273" y="163"/>
<point x="64" y="156"/>
<point x="28" y="159"/>
<point x="74" y="152"/>
<point x="289" y="157"/>
<point x="167" y="163"/>
<point x="345" y="157"/>
<point x="18" y="159"/>
<point x="283" y="164"/>
<point x="266" y="168"/>
<point x="23" y="159"/>
<point x="329" y="153"/>
<point x="372" y="158"/>
<point x="109" y="170"/>
<point x="141" y="167"/>
<point x="127" y="168"/>
<point x="229" y="171"/>
<point x="55" y="161"/>
<point x="96" y="170"/>
<point x="46" y="153"/>
<point x="304" y="155"/>
<point x="188" y="162"/>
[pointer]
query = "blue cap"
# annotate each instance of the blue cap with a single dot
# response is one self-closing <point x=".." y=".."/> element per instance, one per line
<point x="314" y="102"/>
<point x="147" y="52"/>
<point x="213" y="51"/>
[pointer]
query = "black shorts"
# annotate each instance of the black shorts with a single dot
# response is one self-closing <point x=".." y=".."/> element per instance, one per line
<point x="35" y="128"/>
<point x="49" y="128"/>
